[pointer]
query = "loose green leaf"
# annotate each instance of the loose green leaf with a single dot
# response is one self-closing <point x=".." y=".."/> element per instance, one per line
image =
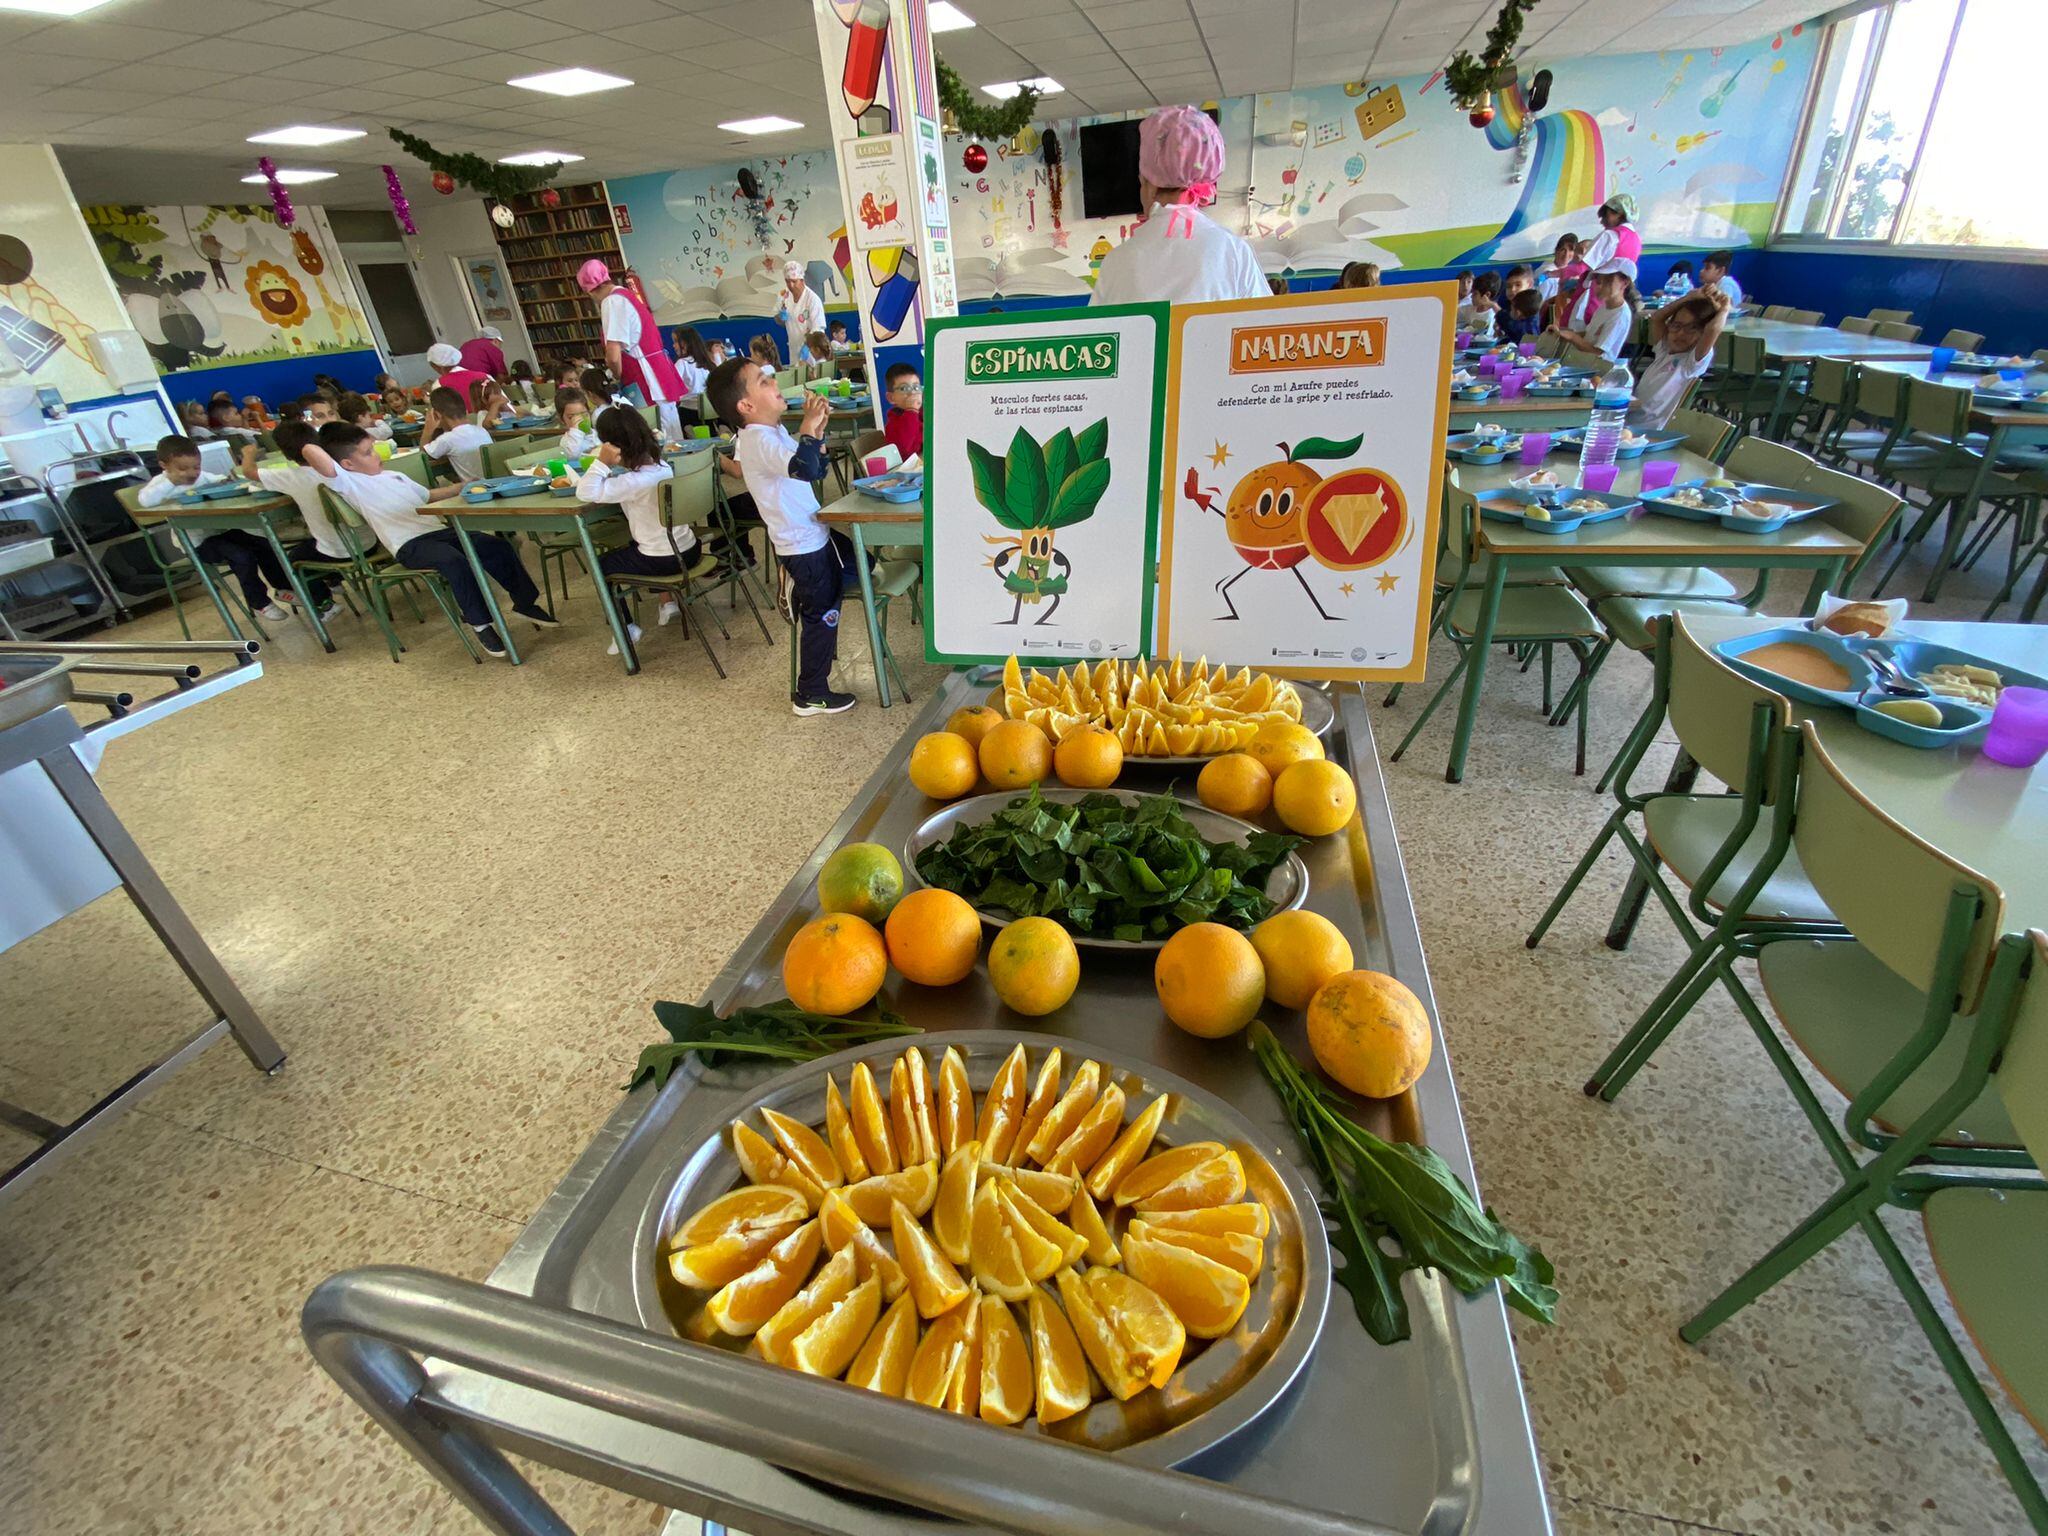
<point x="1076" y="499"/>
<point x="1325" y="448"/>
<point x="1024" y="488"/>
<point x="1093" y="442"/>
<point x="1061" y="460"/>
<point x="988" y="478"/>
<point x="777" y="1031"/>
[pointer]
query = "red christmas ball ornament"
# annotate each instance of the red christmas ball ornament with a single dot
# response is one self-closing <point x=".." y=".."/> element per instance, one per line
<point x="443" y="183"/>
<point x="550" y="198"/>
<point x="975" y="158"/>
<point x="1481" y="118"/>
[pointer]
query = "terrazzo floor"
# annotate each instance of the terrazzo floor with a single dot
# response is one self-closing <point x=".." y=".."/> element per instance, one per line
<point x="453" y="891"/>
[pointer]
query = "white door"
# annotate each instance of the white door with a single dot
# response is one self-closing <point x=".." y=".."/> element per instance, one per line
<point x="384" y="277"/>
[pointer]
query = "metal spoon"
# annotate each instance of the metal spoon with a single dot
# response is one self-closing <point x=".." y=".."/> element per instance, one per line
<point x="1892" y="678"/>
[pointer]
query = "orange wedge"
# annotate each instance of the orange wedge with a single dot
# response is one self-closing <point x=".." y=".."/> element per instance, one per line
<point x="1206" y="1296"/>
<point x="1044" y="1090"/>
<point x="743" y="1305"/>
<point x="1086" y="1220"/>
<point x="923" y="1105"/>
<point x="763" y="1164"/>
<point x="904" y="1126"/>
<point x="935" y="1285"/>
<point x="953" y="1210"/>
<point x="728" y="1237"/>
<point x="1040" y="1254"/>
<point x="1003" y="1108"/>
<point x="994" y="1256"/>
<point x="1091" y="1138"/>
<point x="1050" y="1192"/>
<point x="1234" y="1250"/>
<point x="1061" y="1371"/>
<point x="1249" y="1217"/>
<point x="963" y="1390"/>
<point x="1005" y="1364"/>
<point x="1048" y="1229"/>
<point x="1146" y="1326"/>
<point x="1161" y="1169"/>
<point x="839" y="1132"/>
<point x="1070" y="1109"/>
<point x="1105" y="1350"/>
<point x="916" y="1187"/>
<point x="870" y="1124"/>
<point x="829" y="1344"/>
<point x="842" y="1228"/>
<point x="806" y="1148"/>
<point x="835" y="1280"/>
<point x="955" y="1103"/>
<point x="940" y="1354"/>
<point x="1199" y="1174"/>
<point x="883" y="1364"/>
<point x="1125" y="1153"/>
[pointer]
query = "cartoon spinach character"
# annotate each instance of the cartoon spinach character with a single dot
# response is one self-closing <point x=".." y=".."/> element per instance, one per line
<point x="1036" y="490"/>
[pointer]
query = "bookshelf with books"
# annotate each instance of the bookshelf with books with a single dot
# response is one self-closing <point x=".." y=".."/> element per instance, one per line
<point x="542" y="250"/>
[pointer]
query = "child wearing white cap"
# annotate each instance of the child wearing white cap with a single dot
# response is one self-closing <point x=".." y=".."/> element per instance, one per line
<point x="1606" y="329"/>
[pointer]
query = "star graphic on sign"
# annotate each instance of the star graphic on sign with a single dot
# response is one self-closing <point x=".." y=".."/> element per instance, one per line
<point x="1348" y="590"/>
<point x="1388" y="583"/>
<point x="1221" y="454"/>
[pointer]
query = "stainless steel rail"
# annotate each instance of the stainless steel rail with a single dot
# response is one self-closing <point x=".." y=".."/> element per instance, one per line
<point x="372" y="1329"/>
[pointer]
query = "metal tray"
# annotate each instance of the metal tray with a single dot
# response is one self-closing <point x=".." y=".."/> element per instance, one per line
<point x="1220" y="1387"/>
<point x="1287" y="886"/>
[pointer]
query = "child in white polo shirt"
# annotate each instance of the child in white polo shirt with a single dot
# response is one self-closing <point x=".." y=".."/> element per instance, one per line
<point x="451" y="437"/>
<point x="248" y="555"/>
<point x="782" y="473"/>
<point x="293" y="479"/>
<point x="389" y="501"/>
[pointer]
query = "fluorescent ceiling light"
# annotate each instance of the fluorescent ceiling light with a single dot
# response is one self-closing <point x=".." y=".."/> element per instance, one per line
<point x="52" y="7"/>
<point x="540" y="157"/>
<point x="1003" y="90"/>
<point x="291" y="178"/>
<point x="760" y="125"/>
<point x="301" y="135"/>
<point x="570" y="82"/>
<point x="944" y="16"/>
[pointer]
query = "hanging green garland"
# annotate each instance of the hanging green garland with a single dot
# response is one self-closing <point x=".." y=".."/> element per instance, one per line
<point x="498" y="182"/>
<point x="1470" y="79"/>
<point x="978" y="119"/>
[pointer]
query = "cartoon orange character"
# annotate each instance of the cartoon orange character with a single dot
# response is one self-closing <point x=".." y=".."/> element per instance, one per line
<point x="1264" y="517"/>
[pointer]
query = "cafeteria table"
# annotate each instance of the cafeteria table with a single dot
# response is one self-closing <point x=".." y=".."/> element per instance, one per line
<point x="892" y="522"/>
<point x="255" y="511"/>
<point x="1532" y="413"/>
<point x="1648" y="539"/>
<point x="537" y="512"/>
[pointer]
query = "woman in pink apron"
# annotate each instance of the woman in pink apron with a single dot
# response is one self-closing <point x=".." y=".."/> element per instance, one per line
<point x="1616" y="241"/>
<point x="632" y="345"/>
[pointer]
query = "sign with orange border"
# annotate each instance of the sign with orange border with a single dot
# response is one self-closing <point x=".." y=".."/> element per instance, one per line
<point x="1303" y="480"/>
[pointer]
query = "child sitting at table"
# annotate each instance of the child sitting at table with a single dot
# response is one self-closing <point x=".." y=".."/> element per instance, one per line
<point x="353" y="409"/>
<point x="395" y="403"/>
<point x="782" y="475"/>
<point x="523" y="383"/>
<point x="1524" y="316"/>
<point x="1518" y="277"/>
<point x="1607" y="328"/>
<point x="600" y="389"/>
<point x="247" y="555"/>
<point x="569" y="376"/>
<point x="320" y="409"/>
<point x="489" y="405"/>
<point x="905" y="426"/>
<point x="451" y="438"/>
<point x="762" y="349"/>
<point x="572" y="410"/>
<point x="193" y="416"/>
<point x="225" y="420"/>
<point x="719" y="351"/>
<point x="816" y="349"/>
<point x="389" y="501"/>
<point x="840" y="345"/>
<point x="1682" y="337"/>
<point x="693" y="359"/>
<point x="256" y="413"/>
<point x="629" y="473"/>
<point x="1478" y="315"/>
<point x="293" y="479"/>
<point x="1714" y="273"/>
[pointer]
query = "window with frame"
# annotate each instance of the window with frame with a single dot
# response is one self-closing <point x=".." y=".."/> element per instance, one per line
<point x="1902" y="140"/>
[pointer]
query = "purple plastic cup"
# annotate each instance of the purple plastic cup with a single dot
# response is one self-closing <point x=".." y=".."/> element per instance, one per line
<point x="1658" y="473"/>
<point x="1512" y="383"/>
<point x="1527" y="347"/>
<point x="1464" y="340"/>
<point x="1534" y="446"/>
<point x="1597" y="478"/>
<point x="1488" y="365"/>
<point x="2019" y="728"/>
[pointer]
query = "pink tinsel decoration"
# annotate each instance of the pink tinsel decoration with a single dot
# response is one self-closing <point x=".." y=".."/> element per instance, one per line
<point x="280" y="200"/>
<point x="399" y="203"/>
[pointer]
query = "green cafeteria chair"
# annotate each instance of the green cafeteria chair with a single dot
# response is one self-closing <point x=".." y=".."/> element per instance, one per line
<point x="1708" y="436"/>
<point x="1935" y="1028"/>
<point x="690" y="499"/>
<point x="1802" y="317"/>
<point x="374" y="574"/>
<point x="1963" y="341"/>
<point x="497" y="455"/>
<point x="1858" y="325"/>
<point x="890" y="579"/>
<point x="2017" y="568"/>
<point x="171" y="564"/>
<point x="1895" y="316"/>
<point x="556" y="549"/>
<point x="1898" y="330"/>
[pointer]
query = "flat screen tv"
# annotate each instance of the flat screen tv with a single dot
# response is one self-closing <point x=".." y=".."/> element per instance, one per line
<point x="1109" y="170"/>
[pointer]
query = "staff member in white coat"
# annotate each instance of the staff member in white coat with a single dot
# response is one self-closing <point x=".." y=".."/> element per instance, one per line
<point x="802" y="311"/>
<point x="1179" y="253"/>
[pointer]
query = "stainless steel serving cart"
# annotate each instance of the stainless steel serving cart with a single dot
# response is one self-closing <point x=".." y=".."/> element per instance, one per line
<point x="62" y="846"/>
<point x="551" y="1359"/>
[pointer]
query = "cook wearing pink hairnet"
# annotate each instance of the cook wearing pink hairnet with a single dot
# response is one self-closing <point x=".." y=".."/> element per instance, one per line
<point x="1179" y="253"/>
<point x="632" y="345"/>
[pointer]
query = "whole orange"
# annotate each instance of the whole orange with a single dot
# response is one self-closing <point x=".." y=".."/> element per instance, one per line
<point x="1236" y="784"/>
<point x="1015" y="754"/>
<point x="943" y="765"/>
<point x="1314" y="797"/>
<point x="934" y="937"/>
<point x="1301" y="951"/>
<point x="835" y="964"/>
<point x="1209" y="980"/>
<point x="1280" y="744"/>
<point x="973" y="721"/>
<point x="1090" y="758"/>
<point x="1370" y="1033"/>
<point x="1034" y="966"/>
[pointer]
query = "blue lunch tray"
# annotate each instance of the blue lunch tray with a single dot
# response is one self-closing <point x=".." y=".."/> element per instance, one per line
<point x="894" y="486"/>
<point x="1510" y="505"/>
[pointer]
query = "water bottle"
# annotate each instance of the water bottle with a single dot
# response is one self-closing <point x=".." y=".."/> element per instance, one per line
<point x="1610" y="412"/>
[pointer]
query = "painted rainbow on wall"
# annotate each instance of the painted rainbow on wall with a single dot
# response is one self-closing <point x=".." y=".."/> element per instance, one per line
<point x="1567" y="165"/>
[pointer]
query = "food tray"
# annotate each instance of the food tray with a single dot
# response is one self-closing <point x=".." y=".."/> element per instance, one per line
<point x="893" y="486"/>
<point x="1474" y="394"/>
<point x="1557" y="391"/>
<point x="1287" y="886"/>
<point x="1574" y="438"/>
<point x="524" y="423"/>
<point x="1510" y="505"/>
<point x="1968" y="722"/>
<point x="1829" y="644"/>
<point x="221" y="492"/>
<point x="1802" y="503"/>
<point x="1466" y="442"/>
<point x="504" y="485"/>
<point x="1977" y="362"/>
<point x="1220" y="1387"/>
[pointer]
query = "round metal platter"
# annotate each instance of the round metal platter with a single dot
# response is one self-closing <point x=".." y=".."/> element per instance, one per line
<point x="1286" y="886"/>
<point x="1221" y="1386"/>
<point x="1318" y="713"/>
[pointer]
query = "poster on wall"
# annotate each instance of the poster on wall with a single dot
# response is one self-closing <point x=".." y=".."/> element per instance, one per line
<point x="931" y="161"/>
<point x="1304" y="462"/>
<point x="1042" y="483"/>
<point x="878" y="189"/>
<point x="490" y="295"/>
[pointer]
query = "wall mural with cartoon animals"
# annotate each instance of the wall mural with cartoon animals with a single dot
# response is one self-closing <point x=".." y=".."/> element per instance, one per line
<point x="216" y="286"/>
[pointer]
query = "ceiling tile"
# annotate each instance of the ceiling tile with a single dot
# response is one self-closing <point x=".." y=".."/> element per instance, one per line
<point x="671" y="35"/>
<point x="332" y="69"/>
<point x="101" y="40"/>
<point x="612" y="15"/>
<point x="415" y="50"/>
<point x="767" y="18"/>
<point x="38" y="71"/>
<point x="426" y="84"/>
<point x="190" y="17"/>
<point x="403" y="15"/>
<point x="1065" y="26"/>
<point x="506" y="29"/>
<point x="235" y="58"/>
<point x="1136" y="13"/>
